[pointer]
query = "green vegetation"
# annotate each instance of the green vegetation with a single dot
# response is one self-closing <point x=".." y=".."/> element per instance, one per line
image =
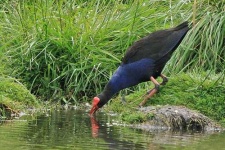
<point x="204" y="47"/>
<point x="204" y="93"/>
<point x="67" y="50"/>
<point x="14" y="96"/>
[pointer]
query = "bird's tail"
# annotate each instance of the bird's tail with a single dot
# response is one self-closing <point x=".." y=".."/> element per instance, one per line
<point x="181" y="26"/>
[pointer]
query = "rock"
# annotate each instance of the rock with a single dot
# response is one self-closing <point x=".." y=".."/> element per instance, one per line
<point x="176" y="118"/>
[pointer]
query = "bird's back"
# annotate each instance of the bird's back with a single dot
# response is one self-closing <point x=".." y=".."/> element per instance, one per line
<point x="157" y="44"/>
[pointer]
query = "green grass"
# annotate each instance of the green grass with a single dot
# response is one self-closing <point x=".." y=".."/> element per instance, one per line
<point x="67" y="50"/>
<point x="198" y="92"/>
<point x="204" y="47"/>
<point x="70" y="49"/>
<point x="15" y="96"/>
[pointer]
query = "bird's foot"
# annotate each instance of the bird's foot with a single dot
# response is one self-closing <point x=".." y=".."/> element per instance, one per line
<point x="138" y="107"/>
<point x="165" y="80"/>
<point x="143" y="102"/>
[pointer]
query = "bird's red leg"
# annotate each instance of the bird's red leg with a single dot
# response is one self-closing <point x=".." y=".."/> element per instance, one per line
<point x="152" y="92"/>
<point x="165" y="79"/>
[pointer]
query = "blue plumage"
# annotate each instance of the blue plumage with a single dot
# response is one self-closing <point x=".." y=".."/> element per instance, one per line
<point x="131" y="74"/>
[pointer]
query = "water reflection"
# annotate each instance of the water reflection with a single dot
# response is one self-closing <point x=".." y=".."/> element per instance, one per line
<point x="74" y="129"/>
<point x="113" y="136"/>
<point x="94" y="127"/>
<point x="138" y="139"/>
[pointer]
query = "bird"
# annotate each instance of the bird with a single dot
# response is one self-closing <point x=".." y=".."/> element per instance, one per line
<point x="142" y="62"/>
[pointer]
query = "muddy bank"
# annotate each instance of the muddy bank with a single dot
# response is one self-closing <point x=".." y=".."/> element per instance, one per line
<point x="176" y="118"/>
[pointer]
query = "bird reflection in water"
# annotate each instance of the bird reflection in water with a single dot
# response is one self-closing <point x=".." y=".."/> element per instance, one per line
<point x="111" y="136"/>
<point x="94" y="127"/>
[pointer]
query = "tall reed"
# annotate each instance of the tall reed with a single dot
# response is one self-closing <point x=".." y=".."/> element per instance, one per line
<point x="204" y="47"/>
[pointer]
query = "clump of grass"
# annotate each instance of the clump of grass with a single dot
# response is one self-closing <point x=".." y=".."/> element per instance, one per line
<point x="193" y="91"/>
<point x="15" y="96"/>
<point x="203" y="47"/>
<point x="137" y="117"/>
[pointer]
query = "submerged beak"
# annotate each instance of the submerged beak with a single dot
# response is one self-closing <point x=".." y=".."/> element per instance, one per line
<point x="95" y="107"/>
<point x="93" y="110"/>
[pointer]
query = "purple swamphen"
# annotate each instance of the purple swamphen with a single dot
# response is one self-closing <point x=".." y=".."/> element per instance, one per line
<point x="143" y="61"/>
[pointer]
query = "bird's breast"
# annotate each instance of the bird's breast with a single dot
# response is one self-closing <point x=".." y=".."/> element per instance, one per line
<point x="131" y="74"/>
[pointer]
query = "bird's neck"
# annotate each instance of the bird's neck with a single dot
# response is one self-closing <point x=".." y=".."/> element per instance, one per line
<point x="107" y="93"/>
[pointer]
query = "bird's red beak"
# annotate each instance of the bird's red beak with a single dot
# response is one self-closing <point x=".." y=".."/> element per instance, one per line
<point x="95" y="107"/>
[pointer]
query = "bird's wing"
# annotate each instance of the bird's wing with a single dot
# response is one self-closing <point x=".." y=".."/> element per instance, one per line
<point x="156" y="45"/>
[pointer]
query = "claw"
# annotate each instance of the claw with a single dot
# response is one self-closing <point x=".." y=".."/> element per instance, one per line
<point x="165" y="79"/>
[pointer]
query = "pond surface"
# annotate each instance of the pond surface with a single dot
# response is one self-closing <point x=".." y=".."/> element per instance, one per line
<point x="74" y="129"/>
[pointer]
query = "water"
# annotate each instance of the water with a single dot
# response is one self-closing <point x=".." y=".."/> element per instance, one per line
<point x="74" y="129"/>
